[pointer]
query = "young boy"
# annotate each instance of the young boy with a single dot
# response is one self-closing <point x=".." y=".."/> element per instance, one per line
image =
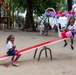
<point x="71" y="28"/>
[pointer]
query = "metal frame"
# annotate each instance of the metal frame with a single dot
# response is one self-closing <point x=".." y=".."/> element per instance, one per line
<point x="44" y="48"/>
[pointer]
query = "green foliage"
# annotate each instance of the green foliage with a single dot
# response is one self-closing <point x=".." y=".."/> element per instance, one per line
<point x="39" y="6"/>
<point x="19" y="5"/>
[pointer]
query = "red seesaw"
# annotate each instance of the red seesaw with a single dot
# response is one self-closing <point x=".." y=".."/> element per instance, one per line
<point x="44" y="44"/>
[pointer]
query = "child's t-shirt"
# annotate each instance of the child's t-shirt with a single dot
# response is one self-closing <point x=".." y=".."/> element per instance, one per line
<point x="9" y="45"/>
<point x="71" y="28"/>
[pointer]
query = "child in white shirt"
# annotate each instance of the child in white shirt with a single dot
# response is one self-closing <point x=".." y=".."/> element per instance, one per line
<point x="71" y="28"/>
<point x="11" y="50"/>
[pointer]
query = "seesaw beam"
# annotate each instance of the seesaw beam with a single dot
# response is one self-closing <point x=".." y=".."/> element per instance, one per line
<point x="3" y="57"/>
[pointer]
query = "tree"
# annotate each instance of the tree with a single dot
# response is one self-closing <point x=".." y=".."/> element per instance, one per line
<point x="69" y="2"/>
<point x="29" y="21"/>
<point x="39" y="6"/>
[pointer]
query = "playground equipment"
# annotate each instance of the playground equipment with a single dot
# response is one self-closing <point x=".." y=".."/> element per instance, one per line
<point x="36" y="47"/>
<point x="52" y="13"/>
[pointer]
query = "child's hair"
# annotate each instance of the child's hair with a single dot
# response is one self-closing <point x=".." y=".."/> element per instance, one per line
<point x="71" y="19"/>
<point x="8" y="38"/>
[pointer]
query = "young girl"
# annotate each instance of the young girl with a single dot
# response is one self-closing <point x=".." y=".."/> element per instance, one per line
<point x="71" y="28"/>
<point x="11" y="50"/>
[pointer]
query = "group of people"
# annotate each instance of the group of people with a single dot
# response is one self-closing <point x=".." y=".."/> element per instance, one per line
<point x="4" y="23"/>
<point x="47" y="27"/>
<point x="19" y="22"/>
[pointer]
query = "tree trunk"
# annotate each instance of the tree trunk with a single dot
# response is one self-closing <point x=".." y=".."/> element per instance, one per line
<point x="29" y="21"/>
<point x="69" y="2"/>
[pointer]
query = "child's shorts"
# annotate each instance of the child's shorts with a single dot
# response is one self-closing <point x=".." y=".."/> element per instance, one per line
<point x="13" y="52"/>
<point x="73" y="33"/>
<point x="48" y="28"/>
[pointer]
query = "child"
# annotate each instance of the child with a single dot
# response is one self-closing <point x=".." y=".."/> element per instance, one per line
<point x="36" y="25"/>
<point x="11" y="50"/>
<point x="71" y="28"/>
<point x="47" y="28"/>
<point x="19" y="23"/>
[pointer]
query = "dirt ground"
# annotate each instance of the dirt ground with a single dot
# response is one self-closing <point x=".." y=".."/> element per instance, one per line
<point x="63" y="62"/>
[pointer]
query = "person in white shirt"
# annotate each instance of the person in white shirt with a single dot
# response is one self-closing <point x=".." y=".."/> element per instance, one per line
<point x="11" y="50"/>
<point x="71" y="28"/>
